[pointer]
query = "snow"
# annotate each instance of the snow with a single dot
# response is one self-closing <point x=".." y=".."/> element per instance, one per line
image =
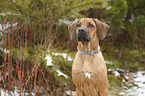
<point x="60" y="54"/>
<point x="14" y="93"/>
<point x="138" y="90"/>
<point x="3" y="14"/>
<point x="67" y="22"/>
<point x="14" y="1"/>
<point x="121" y="93"/>
<point x="108" y="8"/>
<point x="109" y="62"/>
<point x="64" y="55"/>
<point x="49" y="60"/>
<point x="69" y="59"/>
<point x="118" y="69"/>
<point x="61" y="74"/>
<point x="139" y="80"/>
<point x="132" y="18"/>
<point x="116" y="73"/>
<point x="6" y="26"/>
<point x="110" y="69"/>
<point x="4" y="50"/>
<point x="9" y="13"/>
<point x="69" y="92"/>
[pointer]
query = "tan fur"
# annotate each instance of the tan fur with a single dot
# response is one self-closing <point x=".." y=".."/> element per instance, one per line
<point x="72" y="30"/>
<point x="89" y="72"/>
<point x="102" y="29"/>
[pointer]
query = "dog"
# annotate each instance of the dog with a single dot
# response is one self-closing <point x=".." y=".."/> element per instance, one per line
<point x="89" y="72"/>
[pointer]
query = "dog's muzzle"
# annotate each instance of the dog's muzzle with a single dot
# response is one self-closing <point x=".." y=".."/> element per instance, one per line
<point x="83" y="35"/>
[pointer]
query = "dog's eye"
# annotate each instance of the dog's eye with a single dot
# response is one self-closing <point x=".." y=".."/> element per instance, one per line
<point x="91" y="25"/>
<point x="78" y="25"/>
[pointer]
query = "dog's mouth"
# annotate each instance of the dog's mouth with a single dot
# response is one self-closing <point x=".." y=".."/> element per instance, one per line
<point x="83" y="35"/>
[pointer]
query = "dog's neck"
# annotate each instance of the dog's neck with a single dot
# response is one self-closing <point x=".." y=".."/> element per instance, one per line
<point x="88" y="46"/>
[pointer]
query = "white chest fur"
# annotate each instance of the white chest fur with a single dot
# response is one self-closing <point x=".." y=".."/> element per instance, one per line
<point x="87" y="75"/>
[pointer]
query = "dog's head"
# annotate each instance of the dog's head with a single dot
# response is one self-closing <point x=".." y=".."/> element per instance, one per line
<point x="86" y="28"/>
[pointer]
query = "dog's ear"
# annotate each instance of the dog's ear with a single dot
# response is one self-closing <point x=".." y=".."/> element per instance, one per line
<point x="102" y="29"/>
<point x="72" y="30"/>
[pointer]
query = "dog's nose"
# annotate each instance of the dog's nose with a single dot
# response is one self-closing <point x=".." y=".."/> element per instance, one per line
<point x="81" y="30"/>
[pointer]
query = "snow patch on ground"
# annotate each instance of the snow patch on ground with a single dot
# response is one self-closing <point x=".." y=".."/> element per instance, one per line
<point x="4" y="50"/>
<point x="116" y="73"/>
<point x="69" y="92"/>
<point x="139" y="90"/>
<point x="6" y="26"/>
<point x="67" y="22"/>
<point x="109" y="7"/>
<point x="109" y="62"/>
<point x="61" y="74"/>
<point x="49" y="60"/>
<point x="14" y="93"/>
<point x="64" y="55"/>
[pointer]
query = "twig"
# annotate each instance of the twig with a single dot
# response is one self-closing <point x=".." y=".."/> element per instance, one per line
<point x="32" y="73"/>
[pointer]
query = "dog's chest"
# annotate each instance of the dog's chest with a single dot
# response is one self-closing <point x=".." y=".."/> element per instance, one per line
<point x="88" y="68"/>
<point x="87" y="82"/>
<point x="87" y="74"/>
<point x="87" y="71"/>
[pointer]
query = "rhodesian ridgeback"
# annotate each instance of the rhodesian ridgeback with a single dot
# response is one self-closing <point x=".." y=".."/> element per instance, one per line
<point x="89" y="72"/>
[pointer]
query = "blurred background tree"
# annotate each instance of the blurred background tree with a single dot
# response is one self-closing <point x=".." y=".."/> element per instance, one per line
<point x="42" y="17"/>
<point x="125" y="17"/>
<point x="126" y="20"/>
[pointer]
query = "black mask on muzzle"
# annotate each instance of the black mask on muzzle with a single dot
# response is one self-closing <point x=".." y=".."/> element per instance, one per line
<point x="83" y="35"/>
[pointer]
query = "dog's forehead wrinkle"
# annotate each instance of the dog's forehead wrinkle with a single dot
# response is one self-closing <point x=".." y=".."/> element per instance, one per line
<point x="86" y="21"/>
